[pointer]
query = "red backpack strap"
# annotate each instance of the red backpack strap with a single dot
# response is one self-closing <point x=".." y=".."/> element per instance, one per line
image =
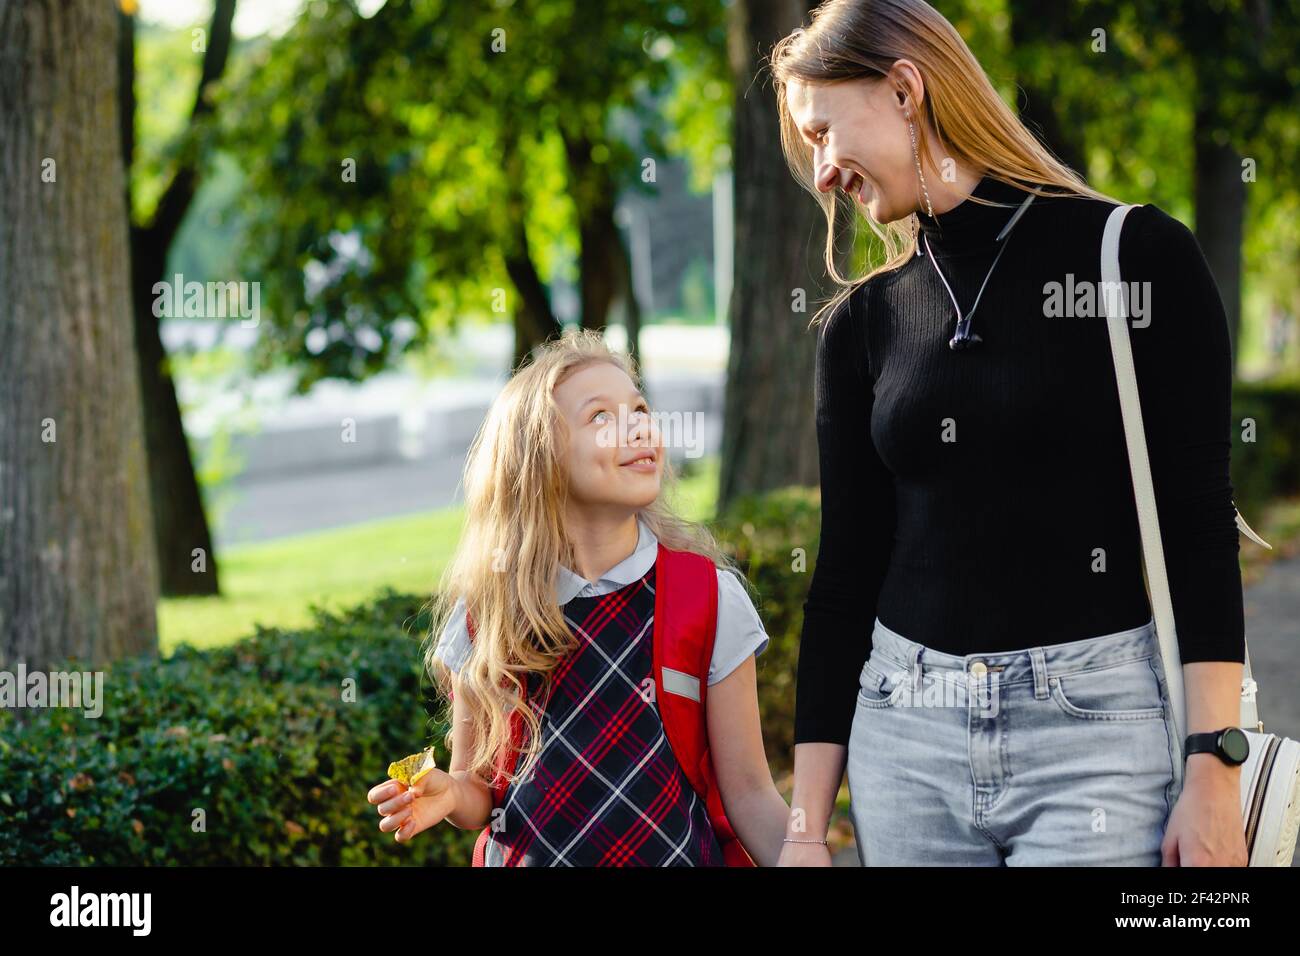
<point x="505" y="765"/>
<point x="686" y="618"/>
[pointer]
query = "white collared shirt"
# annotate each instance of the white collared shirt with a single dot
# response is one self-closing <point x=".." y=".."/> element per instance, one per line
<point x="740" y="632"/>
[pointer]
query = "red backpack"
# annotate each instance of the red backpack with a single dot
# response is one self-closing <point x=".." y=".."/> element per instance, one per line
<point x="682" y="643"/>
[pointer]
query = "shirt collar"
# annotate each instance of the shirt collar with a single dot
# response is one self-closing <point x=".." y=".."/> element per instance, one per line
<point x="970" y="226"/>
<point x="632" y="568"/>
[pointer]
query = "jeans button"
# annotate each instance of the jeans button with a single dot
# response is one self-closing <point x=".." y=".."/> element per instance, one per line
<point x="978" y="669"/>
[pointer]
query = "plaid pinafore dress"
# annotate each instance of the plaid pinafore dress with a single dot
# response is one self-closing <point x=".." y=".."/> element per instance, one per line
<point x="606" y="789"/>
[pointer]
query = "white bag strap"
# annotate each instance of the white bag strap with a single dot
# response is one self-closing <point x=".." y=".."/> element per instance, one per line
<point x="1114" y="302"/>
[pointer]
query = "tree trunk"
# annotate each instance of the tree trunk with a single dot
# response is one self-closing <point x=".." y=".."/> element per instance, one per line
<point x="769" y="438"/>
<point x="533" y="319"/>
<point x="1034" y="24"/>
<point x="599" y="243"/>
<point x="77" y="567"/>
<point x="180" y="520"/>
<point x="1224" y="49"/>
<point x="1220" y="211"/>
<point x="622" y="265"/>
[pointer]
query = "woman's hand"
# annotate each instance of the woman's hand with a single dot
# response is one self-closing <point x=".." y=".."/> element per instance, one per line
<point x="818" y="768"/>
<point x="410" y="810"/>
<point x="804" y="854"/>
<point x="1205" y="827"/>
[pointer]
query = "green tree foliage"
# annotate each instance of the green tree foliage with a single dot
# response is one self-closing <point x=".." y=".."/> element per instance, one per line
<point x="431" y="161"/>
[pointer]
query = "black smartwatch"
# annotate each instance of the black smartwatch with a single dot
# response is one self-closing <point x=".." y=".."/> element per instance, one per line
<point x="1229" y="744"/>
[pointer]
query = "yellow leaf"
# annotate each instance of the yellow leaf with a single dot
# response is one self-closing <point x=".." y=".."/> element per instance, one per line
<point x="410" y="769"/>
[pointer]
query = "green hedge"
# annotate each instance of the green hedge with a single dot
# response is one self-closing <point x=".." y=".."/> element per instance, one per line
<point x="1269" y="466"/>
<point x="774" y="539"/>
<point x="256" y="734"/>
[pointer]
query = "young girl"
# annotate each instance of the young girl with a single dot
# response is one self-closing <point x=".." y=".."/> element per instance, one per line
<point x="566" y="536"/>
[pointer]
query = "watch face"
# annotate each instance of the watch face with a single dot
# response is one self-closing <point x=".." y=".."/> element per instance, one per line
<point x="1235" y="745"/>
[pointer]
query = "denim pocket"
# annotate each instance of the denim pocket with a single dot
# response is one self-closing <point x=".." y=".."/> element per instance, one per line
<point x="1126" y="691"/>
<point x="881" y="678"/>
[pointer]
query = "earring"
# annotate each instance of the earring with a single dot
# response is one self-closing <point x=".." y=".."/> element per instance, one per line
<point x="916" y="152"/>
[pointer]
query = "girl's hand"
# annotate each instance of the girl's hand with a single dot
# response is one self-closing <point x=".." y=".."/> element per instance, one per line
<point x="1205" y="827"/>
<point x="804" y="854"/>
<point x="410" y="810"/>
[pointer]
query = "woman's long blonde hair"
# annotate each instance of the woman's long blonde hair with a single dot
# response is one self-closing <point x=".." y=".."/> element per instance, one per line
<point x="852" y="39"/>
<point x="513" y="543"/>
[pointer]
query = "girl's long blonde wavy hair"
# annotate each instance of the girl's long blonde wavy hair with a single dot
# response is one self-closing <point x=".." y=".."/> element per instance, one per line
<point x="854" y="39"/>
<point x="506" y="565"/>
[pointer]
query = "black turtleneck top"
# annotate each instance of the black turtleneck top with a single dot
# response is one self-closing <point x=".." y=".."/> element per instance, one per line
<point x="980" y="500"/>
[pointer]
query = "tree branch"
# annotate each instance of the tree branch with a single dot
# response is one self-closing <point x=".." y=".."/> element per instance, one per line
<point x="180" y="191"/>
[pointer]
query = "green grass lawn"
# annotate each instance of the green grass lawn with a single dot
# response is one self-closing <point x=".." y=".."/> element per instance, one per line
<point x="276" y="582"/>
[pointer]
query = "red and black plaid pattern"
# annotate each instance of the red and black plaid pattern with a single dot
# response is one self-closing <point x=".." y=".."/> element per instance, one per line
<point x="607" y="790"/>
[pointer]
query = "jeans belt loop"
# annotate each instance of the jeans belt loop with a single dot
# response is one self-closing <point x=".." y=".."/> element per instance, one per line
<point x="1039" y="660"/>
<point x="915" y="654"/>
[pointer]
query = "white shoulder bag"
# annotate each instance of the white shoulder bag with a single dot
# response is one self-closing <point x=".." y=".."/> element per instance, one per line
<point x="1270" y="777"/>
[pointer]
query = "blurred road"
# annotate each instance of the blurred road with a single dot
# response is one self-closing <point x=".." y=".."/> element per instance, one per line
<point x="297" y="472"/>
<point x="282" y="505"/>
<point x="1273" y="635"/>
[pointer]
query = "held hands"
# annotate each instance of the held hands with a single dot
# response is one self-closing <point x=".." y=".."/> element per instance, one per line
<point x="410" y="810"/>
<point x="800" y="846"/>
<point x="804" y="854"/>
<point x="1205" y="827"/>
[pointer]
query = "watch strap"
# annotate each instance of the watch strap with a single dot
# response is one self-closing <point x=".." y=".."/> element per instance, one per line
<point x="1203" y="743"/>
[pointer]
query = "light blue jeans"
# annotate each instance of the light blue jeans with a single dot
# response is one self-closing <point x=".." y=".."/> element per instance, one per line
<point x="1061" y="755"/>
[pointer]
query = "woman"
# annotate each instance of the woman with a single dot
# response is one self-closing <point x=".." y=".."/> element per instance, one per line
<point x="1007" y="704"/>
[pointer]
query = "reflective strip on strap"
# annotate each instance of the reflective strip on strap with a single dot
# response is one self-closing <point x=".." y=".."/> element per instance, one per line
<point x="681" y="684"/>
